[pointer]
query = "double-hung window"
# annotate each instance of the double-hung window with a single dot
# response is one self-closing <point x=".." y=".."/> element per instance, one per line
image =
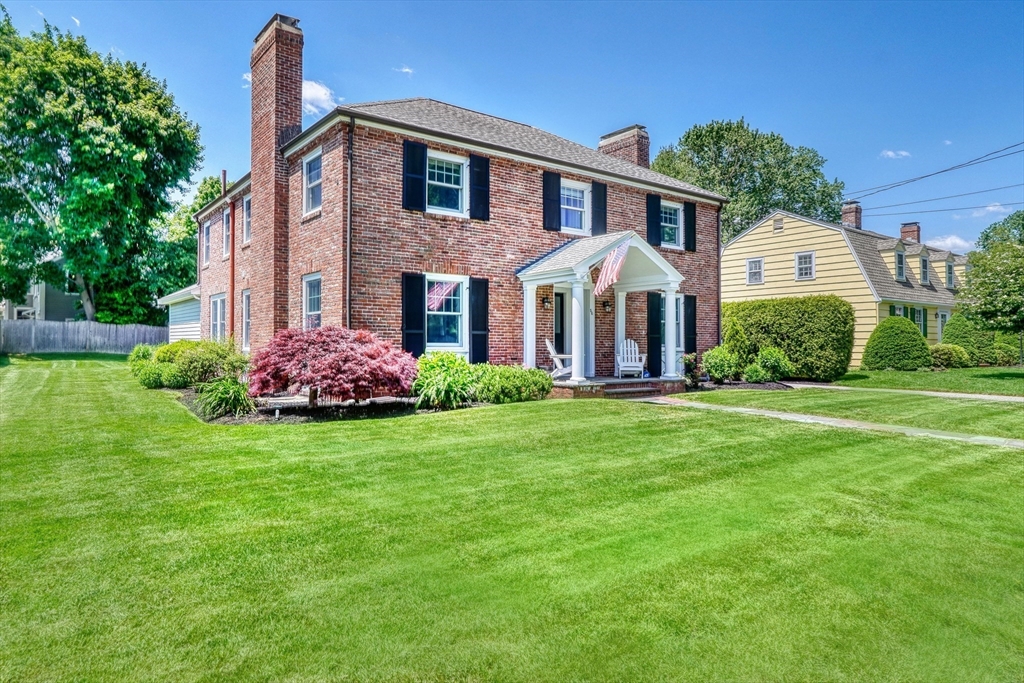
<point x="446" y="312"/>
<point x="447" y="183"/>
<point x="218" y="317"/>
<point x="247" y="218"/>
<point x="574" y="204"/>
<point x="901" y="266"/>
<point x="246" y="319"/>
<point x="227" y="231"/>
<point x="924" y="271"/>
<point x="206" y="242"/>
<point x="312" y="182"/>
<point x="311" y="301"/>
<point x="755" y="271"/>
<point x="671" y="235"/>
<point x="949" y="276"/>
<point x="804" y="265"/>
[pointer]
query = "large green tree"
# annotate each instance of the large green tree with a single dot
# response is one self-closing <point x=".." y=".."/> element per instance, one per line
<point x="758" y="172"/>
<point x="1010" y="229"/>
<point x="90" y="150"/>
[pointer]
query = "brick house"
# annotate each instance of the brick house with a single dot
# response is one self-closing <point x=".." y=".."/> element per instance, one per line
<point x="438" y="227"/>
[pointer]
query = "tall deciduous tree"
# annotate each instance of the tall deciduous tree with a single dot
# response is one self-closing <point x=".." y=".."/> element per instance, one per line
<point x="90" y="149"/>
<point x="758" y="172"/>
<point x="1010" y="229"/>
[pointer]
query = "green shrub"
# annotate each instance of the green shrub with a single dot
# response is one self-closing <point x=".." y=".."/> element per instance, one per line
<point x="206" y="360"/>
<point x="140" y="355"/>
<point x="756" y="374"/>
<point x="149" y="375"/>
<point x="1005" y="354"/>
<point x="444" y="381"/>
<point x="735" y="340"/>
<point x="691" y="370"/>
<point x="226" y="395"/>
<point x="171" y="376"/>
<point x="896" y="344"/>
<point x="719" y="364"/>
<point x="815" y="332"/>
<point x="773" y="361"/>
<point x="975" y="341"/>
<point x="168" y="353"/>
<point x="510" y="383"/>
<point x="949" y="356"/>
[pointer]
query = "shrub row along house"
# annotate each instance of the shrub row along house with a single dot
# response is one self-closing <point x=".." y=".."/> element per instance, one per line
<point x="442" y="228"/>
<point x="881" y="276"/>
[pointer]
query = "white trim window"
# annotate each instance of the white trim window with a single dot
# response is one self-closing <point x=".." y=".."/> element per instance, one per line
<point x="925" y="277"/>
<point x="311" y="301"/>
<point x="247" y="218"/>
<point x="312" y="182"/>
<point x="899" y="311"/>
<point x="206" y="243"/>
<point x="447" y="184"/>
<point x="901" y="266"/>
<point x="950" y="280"/>
<point x="804" y="265"/>
<point x="943" y="319"/>
<point x="218" y="317"/>
<point x="575" y="205"/>
<point x="755" y="271"/>
<point x="447" y="322"/>
<point x="246" y="319"/>
<point x="671" y="234"/>
<point x="226" y="220"/>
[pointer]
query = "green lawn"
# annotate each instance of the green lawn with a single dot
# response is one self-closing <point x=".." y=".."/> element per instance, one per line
<point x="968" y="416"/>
<point x="561" y="540"/>
<point x="1006" y="381"/>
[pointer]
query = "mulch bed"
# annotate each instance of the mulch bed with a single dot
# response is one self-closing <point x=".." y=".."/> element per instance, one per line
<point x="300" y="414"/>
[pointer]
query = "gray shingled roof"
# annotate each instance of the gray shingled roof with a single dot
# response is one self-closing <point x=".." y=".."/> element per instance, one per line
<point x="449" y="120"/>
<point x="573" y="252"/>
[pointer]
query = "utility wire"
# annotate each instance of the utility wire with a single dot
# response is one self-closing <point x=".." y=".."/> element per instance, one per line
<point x="899" y="183"/>
<point x="959" y="208"/>
<point x="952" y="196"/>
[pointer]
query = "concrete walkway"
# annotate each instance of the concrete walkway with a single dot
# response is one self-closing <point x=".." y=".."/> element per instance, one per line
<point x="840" y="422"/>
<point x="919" y="392"/>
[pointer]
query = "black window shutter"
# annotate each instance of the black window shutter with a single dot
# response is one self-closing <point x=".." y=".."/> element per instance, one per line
<point x="689" y="226"/>
<point x="414" y="313"/>
<point x="599" y="208"/>
<point x="552" y="201"/>
<point x="689" y="323"/>
<point x="653" y="227"/>
<point x="479" y="188"/>
<point x="479" y="328"/>
<point x="414" y="176"/>
<point x="654" y="329"/>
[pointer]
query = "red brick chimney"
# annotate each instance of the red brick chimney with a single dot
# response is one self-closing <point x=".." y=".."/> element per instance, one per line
<point x="851" y="214"/>
<point x="910" y="232"/>
<point x="276" y="64"/>
<point x="631" y="144"/>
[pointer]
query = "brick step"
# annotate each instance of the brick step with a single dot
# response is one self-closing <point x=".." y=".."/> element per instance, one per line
<point x="631" y="392"/>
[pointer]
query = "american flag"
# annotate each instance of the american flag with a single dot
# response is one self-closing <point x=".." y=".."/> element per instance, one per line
<point x="611" y="268"/>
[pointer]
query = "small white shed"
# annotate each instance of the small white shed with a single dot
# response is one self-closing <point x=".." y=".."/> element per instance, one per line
<point x="182" y="313"/>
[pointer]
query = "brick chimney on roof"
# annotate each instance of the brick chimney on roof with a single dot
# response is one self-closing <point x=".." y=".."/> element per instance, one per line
<point x="851" y="213"/>
<point x="910" y="232"/>
<point x="630" y="144"/>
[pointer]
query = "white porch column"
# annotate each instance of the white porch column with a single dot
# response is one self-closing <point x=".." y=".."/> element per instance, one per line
<point x="668" y="371"/>
<point x="620" y="323"/>
<point x="577" y="332"/>
<point x="529" y="325"/>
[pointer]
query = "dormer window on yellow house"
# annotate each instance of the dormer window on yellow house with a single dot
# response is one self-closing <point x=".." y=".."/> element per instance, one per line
<point x="924" y="271"/>
<point x="901" y="266"/>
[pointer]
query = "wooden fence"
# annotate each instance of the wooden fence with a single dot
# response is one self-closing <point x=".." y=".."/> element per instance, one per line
<point x="54" y="336"/>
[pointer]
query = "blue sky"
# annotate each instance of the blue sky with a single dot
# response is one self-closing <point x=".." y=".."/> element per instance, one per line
<point x="884" y="91"/>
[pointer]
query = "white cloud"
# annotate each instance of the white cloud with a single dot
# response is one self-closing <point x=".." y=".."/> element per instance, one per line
<point x="890" y="154"/>
<point x="994" y="208"/>
<point x="947" y="142"/>
<point x="950" y="243"/>
<point x="247" y="77"/>
<point x="405" y="70"/>
<point x="317" y="98"/>
<point x="77" y="22"/>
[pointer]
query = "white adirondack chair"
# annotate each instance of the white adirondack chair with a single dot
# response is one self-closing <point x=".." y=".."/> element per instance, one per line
<point x="629" y="359"/>
<point x="561" y="370"/>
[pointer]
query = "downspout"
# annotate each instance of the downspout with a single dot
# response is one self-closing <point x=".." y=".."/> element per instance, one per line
<point x="348" y="225"/>
<point x="718" y="249"/>
<point x="231" y="272"/>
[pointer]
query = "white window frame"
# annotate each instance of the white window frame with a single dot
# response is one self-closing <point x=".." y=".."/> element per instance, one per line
<point x="796" y="265"/>
<point x="464" y="190"/>
<point x="925" y="277"/>
<point x="901" y="266"/>
<point x="940" y="323"/>
<point x="950" y="275"/>
<point x="246" y="319"/>
<point x="306" y="279"/>
<point x="759" y="259"/>
<point x="206" y="243"/>
<point x="246" y="218"/>
<point x="306" y="187"/>
<point x="587" y="207"/>
<point x="218" y="317"/>
<point x="678" y="244"/>
<point x="462" y="348"/>
<point x="226" y="219"/>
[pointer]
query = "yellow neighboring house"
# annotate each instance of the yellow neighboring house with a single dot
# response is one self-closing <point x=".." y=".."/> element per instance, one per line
<point x="790" y="255"/>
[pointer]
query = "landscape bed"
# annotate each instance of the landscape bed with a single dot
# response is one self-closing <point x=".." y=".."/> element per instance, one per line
<point x="551" y="540"/>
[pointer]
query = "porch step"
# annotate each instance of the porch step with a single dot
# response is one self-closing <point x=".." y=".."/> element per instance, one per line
<point x="632" y="391"/>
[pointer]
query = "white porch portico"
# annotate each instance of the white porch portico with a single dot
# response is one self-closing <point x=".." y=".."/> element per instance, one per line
<point x="568" y="270"/>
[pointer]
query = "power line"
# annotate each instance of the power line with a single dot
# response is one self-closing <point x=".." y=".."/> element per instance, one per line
<point x="959" y="208"/>
<point x="952" y="196"/>
<point x="899" y="183"/>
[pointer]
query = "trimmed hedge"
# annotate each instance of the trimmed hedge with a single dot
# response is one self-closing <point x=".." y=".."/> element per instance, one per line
<point x="815" y="332"/>
<point x="975" y="341"/>
<point x="1005" y="354"/>
<point x="511" y="383"/>
<point x="168" y="353"/>
<point x="949" y="356"/>
<point x="896" y="344"/>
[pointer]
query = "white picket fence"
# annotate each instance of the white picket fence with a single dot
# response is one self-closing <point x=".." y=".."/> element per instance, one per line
<point x="55" y="336"/>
